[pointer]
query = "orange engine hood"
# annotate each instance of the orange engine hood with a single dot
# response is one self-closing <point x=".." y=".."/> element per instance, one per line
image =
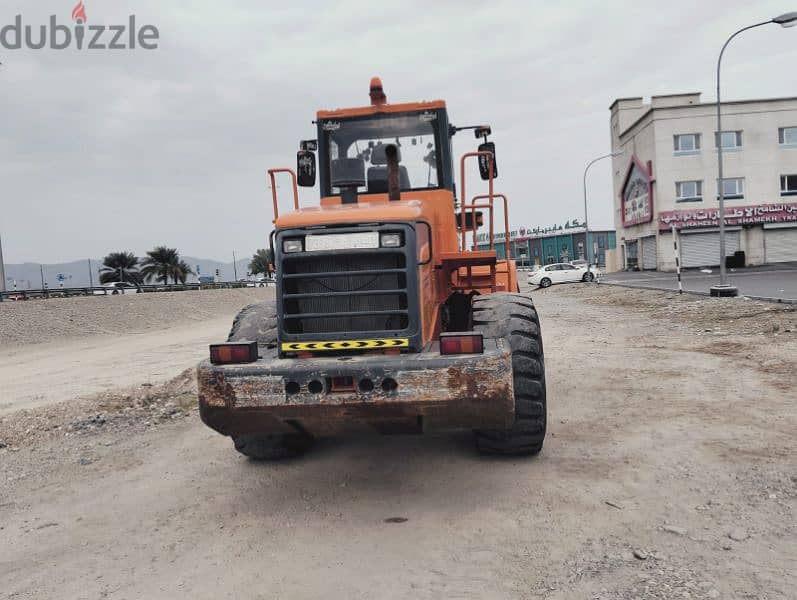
<point x="362" y="212"/>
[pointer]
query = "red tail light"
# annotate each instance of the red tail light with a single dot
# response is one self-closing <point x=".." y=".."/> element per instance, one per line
<point x="233" y="353"/>
<point x="461" y="343"/>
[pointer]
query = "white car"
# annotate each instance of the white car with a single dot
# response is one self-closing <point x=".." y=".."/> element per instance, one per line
<point x="561" y="273"/>
<point x="262" y="282"/>
<point x="117" y="287"/>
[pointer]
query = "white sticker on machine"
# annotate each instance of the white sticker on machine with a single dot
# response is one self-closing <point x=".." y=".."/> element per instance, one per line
<point x="342" y="241"/>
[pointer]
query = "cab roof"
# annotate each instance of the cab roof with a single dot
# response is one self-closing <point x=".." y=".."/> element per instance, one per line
<point x="360" y="111"/>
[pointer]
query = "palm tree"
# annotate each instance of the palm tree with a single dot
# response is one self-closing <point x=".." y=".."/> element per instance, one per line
<point x="260" y="263"/>
<point x="160" y="263"/>
<point x="120" y="266"/>
<point x="181" y="271"/>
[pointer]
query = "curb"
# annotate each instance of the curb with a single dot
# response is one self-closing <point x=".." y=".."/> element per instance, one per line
<point x="706" y="294"/>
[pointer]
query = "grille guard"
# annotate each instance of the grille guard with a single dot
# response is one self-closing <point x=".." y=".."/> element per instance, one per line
<point x="399" y="303"/>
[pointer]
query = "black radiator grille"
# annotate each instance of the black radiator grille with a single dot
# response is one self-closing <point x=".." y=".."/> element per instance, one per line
<point x="361" y="291"/>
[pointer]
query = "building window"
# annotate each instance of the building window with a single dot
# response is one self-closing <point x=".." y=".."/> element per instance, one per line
<point x="688" y="191"/>
<point x="686" y="143"/>
<point x="731" y="140"/>
<point x="788" y="185"/>
<point x="732" y="188"/>
<point x="787" y="136"/>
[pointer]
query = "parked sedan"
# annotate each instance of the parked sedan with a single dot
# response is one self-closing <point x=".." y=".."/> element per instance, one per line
<point x="561" y="273"/>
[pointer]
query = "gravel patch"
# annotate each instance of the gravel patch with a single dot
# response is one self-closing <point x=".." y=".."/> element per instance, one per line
<point x="38" y="321"/>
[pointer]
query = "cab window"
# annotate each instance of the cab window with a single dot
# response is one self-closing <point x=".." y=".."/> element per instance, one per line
<point x="365" y="139"/>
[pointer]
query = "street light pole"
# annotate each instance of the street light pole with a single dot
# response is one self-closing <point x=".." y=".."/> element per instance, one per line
<point x="2" y="270"/>
<point x="724" y="289"/>
<point x="586" y="216"/>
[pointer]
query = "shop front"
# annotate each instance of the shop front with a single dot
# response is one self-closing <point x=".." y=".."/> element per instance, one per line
<point x="700" y="248"/>
<point x="780" y="242"/>
<point x="649" y="254"/>
<point x="700" y="239"/>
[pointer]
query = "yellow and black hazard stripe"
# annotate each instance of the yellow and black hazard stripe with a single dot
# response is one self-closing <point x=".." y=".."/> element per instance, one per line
<point x="345" y="345"/>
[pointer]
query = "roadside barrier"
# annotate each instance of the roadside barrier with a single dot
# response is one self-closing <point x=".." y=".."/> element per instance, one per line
<point x="68" y="292"/>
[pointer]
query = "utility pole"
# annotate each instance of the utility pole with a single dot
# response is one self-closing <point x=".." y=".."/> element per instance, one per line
<point x="91" y="278"/>
<point x="586" y="215"/>
<point x="2" y="269"/>
<point x="44" y="285"/>
<point x="234" y="266"/>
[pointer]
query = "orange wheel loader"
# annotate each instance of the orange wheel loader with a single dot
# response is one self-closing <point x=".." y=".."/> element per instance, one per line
<point x="387" y="316"/>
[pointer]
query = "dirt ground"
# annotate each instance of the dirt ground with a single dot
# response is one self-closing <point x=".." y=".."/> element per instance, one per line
<point x="65" y="348"/>
<point x="62" y="319"/>
<point x="669" y="471"/>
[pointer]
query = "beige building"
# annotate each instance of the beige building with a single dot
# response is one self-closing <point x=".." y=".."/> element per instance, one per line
<point x="666" y="184"/>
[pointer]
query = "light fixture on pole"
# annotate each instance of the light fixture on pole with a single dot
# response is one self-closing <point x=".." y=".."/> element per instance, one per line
<point x="724" y="288"/>
<point x="586" y="217"/>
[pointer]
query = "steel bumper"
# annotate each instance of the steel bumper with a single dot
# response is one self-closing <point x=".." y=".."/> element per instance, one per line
<point x="423" y="392"/>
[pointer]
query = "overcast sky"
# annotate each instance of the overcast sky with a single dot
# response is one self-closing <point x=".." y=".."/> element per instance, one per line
<point x="117" y="150"/>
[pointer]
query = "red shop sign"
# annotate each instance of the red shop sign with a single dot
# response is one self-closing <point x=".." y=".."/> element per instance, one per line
<point x="734" y="215"/>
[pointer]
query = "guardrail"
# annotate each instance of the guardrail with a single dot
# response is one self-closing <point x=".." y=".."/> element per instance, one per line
<point x="68" y="292"/>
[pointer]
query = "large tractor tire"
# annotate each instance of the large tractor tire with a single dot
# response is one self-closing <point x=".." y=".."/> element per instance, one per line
<point x="514" y="318"/>
<point x="258" y="323"/>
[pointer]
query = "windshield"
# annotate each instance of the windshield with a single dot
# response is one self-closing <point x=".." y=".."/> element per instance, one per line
<point x="356" y="152"/>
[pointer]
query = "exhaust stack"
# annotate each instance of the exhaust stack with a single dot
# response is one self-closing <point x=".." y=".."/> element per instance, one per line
<point x="393" y="183"/>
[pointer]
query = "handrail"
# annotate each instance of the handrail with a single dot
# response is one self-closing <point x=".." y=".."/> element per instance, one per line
<point x="271" y="174"/>
<point x="490" y="195"/>
<point x="507" y="249"/>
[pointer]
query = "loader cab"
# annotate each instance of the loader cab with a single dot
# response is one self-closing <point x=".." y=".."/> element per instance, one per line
<point x="353" y="150"/>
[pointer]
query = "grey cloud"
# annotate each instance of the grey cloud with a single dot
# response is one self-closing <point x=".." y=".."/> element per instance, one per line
<point x="106" y="151"/>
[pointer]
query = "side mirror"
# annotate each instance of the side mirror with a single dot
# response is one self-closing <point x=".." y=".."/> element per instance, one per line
<point x="484" y="166"/>
<point x="305" y="168"/>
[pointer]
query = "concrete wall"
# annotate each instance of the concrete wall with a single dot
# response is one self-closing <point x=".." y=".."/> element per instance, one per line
<point x="752" y="242"/>
<point x="666" y="252"/>
<point x="613" y="261"/>
<point x="760" y="161"/>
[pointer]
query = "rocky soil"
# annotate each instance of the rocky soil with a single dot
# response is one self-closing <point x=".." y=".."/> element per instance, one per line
<point x="668" y="472"/>
<point x="40" y="321"/>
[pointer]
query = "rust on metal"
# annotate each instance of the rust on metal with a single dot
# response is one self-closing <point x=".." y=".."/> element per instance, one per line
<point x="401" y="392"/>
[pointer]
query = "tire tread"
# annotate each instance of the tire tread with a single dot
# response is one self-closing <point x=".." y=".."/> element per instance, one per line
<point x="258" y="323"/>
<point x="514" y="318"/>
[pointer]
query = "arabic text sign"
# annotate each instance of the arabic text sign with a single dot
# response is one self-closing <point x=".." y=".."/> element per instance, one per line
<point x="526" y="232"/>
<point x="735" y="215"/>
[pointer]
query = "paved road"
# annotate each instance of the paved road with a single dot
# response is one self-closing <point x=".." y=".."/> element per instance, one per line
<point x="772" y="281"/>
